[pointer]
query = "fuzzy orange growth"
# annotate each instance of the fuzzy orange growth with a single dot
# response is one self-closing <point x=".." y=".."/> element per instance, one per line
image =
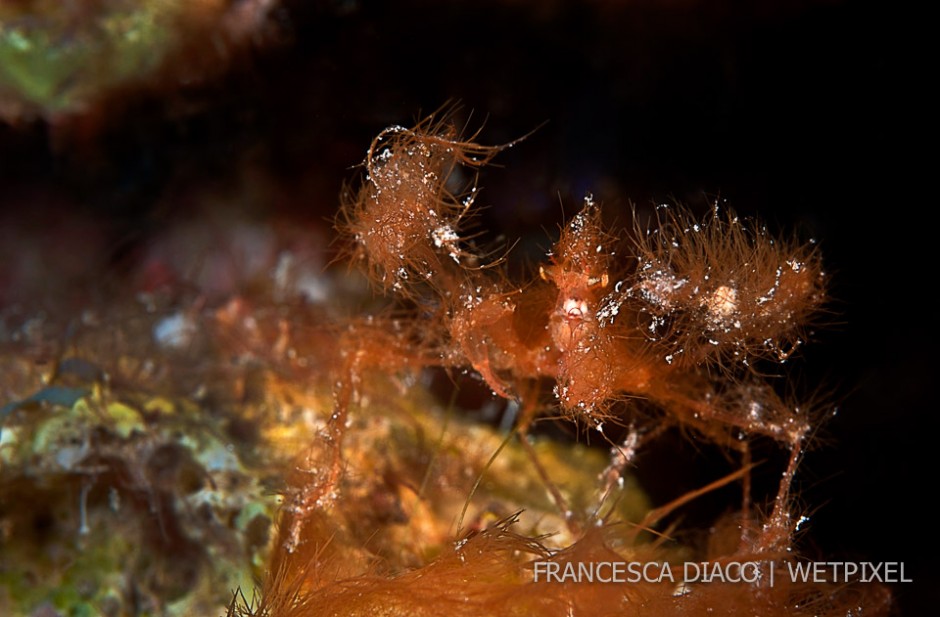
<point x="406" y="219"/>
<point x="724" y="289"/>
<point x="493" y="573"/>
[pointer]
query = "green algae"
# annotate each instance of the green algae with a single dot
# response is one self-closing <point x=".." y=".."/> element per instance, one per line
<point x="114" y="494"/>
<point x="57" y="61"/>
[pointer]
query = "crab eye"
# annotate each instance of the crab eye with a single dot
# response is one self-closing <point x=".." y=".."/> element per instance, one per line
<point x="575" y="308"/>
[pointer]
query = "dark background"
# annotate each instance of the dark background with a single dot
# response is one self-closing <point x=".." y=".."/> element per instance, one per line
<point x="799" y="112"/>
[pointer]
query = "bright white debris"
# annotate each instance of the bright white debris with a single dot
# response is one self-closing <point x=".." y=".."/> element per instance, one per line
<point x="176" y="331"/>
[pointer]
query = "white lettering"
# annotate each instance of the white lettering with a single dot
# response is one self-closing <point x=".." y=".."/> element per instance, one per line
<point x="848" y="571"/>
<point x="716" y="572"/>
<point x="749" y="572"/>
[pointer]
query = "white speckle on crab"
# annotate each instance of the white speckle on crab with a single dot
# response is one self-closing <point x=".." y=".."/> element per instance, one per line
<point x="575" y="308"/>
